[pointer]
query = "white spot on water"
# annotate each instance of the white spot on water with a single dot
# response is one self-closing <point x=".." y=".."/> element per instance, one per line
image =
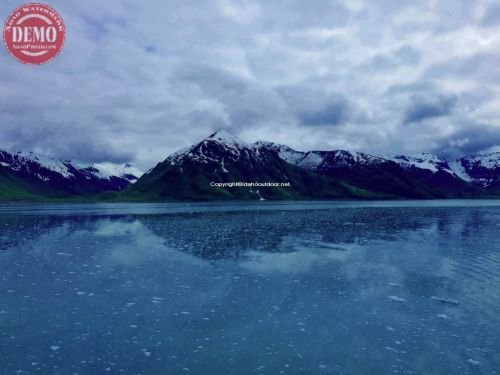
<point x="473" y="362"/>
<point x="396" y="299"/>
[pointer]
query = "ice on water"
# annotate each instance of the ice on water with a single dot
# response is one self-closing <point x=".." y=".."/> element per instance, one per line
<point x="285" y="289"/>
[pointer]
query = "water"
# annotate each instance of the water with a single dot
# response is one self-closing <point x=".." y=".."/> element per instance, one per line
<point x="327" y="288"/>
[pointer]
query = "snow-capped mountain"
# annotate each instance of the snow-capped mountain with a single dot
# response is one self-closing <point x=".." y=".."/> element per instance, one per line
<point x="424" y="160"/>
<point x="66" y="176"/>
<point x="217" y="148"/>
<point x="361" y="170"/>
<point x="437" y="172"/>
<point x="321" y="160"/>
<point x="480" y="170"/>
<point x="223" y="147"/>
<point x="195" y="173"/>
<point x="222" y="157"/>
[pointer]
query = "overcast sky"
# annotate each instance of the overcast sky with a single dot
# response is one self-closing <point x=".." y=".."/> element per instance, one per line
<point x="139" y="80"/>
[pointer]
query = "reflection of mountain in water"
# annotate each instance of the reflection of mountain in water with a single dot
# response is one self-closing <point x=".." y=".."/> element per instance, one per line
<point x="226" y="235"/>
<point x="18" y="229"/>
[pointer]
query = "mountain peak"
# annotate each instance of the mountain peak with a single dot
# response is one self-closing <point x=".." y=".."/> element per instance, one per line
<point x="222" y="134"/>
<point x="224" y="137"/>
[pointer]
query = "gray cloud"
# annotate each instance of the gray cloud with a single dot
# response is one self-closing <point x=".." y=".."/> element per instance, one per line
<point x="424" y="107"/>
<point x="468" y="140"/>
<point x="481" y="67"/>
<point x="402" y="57"/>
<point x="491" y="16"/>
<point x="315" y="106"/>
<point x="338" y="111"/>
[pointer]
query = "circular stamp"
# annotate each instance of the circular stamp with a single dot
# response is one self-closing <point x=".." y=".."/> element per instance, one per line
<point x="34" y="34"/>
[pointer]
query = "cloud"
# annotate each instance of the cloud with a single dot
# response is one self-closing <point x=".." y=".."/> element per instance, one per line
<point x="479" y="67"/>
<point x="137" y="81"/>
<point x="402" y="57"/>
<point x="491" y="16"/>
<point x="469" y="139"/>
<point x="423" y="107"/>
<point x="315" y="106"/>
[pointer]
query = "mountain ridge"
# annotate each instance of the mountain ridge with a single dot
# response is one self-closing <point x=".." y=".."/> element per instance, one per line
<point x="222" y="157"/>
<point x="28" y="175"/>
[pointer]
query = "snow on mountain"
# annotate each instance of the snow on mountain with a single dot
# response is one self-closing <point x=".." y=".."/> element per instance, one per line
<point x="286" y="153"/>
<point x="227" y="145"/>
<point x="311" y="160"/>
<point x="482" y="169"/>
<point x="424" y="160"/>
<point x="315" y="160"/>
<point x="227" y="139"/>
<point x="21" y="159"/>
<point x="487" y="161"/>
<point x="109" y="170"/>
<point x="47" y="169"/>
<point x="223" y="147"/>
<point x="345" y="159"/>
<point x="458" y="169"/>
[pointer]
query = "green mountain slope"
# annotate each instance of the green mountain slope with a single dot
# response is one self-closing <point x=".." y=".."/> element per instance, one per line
<point x="15" y="188"/>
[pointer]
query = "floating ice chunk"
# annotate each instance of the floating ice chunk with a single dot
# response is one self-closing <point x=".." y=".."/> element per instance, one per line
<point x="392" y="349"/>
<point x="443" y="316"/>
<point x="396" y="299"/>
<point x="394" y="284"/>
<point x="445" y="300"/>
<point x="55" y="347"/>
<point x="81" y="293"/>
<point x="473" y="362"/>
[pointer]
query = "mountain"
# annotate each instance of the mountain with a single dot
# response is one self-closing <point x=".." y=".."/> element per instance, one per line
<point x="378" y="175"/>
<point x="437" y="173"/>
<point x="205" y="170"/>
<point x="32" y="176"/>
<point x="482" y="170"/>
<point x="470" y="175"/>
<point x="222" y="157"/>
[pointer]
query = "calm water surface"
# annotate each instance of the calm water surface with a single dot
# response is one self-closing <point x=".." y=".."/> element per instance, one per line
<point x="291" y="288"/>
